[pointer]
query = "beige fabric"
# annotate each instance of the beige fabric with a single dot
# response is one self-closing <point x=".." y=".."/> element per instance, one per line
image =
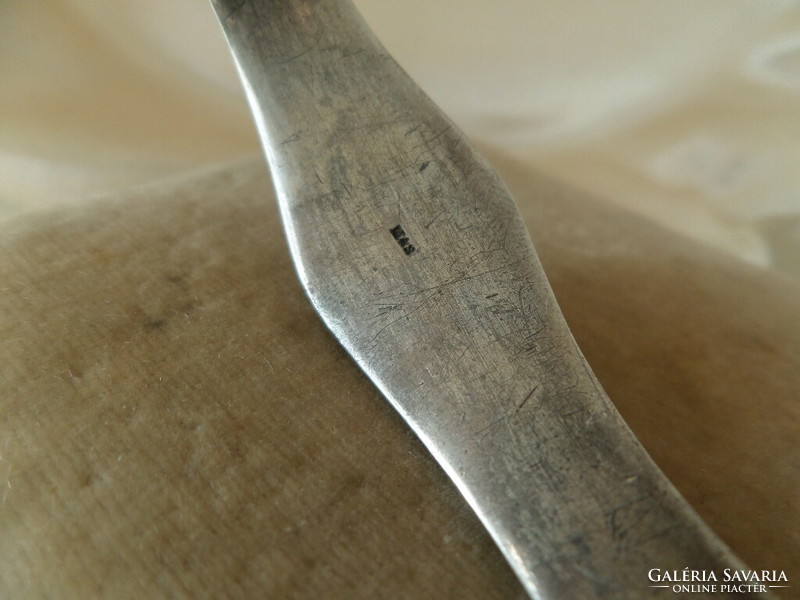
<point x="176" y="422"/>
<point x="685" y="112"/>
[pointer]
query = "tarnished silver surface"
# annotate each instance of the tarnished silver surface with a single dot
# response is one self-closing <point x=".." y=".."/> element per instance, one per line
<point x="415" y="256"/>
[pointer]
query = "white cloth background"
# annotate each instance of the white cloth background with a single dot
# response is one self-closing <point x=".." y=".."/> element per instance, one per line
<point x="687" y="112"/>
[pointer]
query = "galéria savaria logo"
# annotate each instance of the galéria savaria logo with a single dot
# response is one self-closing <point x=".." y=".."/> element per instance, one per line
<point x="728" y="581"/>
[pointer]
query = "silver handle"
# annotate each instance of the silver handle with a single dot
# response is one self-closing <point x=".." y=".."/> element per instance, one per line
<point x="415" y="256"/>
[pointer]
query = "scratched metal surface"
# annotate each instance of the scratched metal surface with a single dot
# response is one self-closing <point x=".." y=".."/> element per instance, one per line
<point x="413" y="253"/>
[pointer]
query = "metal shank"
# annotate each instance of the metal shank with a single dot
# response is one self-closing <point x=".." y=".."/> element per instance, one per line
<point x="415" y="256"/>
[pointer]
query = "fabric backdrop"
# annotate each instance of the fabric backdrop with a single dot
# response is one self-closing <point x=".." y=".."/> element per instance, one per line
<point x="176" y="422"/>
